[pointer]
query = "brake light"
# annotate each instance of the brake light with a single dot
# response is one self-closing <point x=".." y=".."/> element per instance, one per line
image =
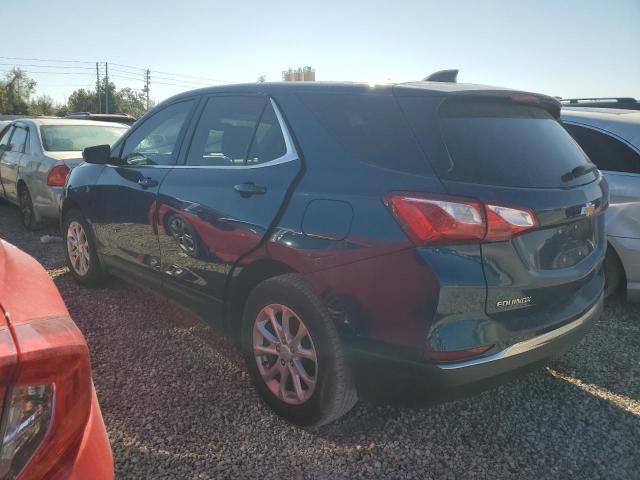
<point x="48" y="403"/>
<point x="438" y="220"/>
<point x="57" y="175"/>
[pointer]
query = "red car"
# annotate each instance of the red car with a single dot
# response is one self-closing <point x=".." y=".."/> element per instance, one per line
<point x="51" y="423"/>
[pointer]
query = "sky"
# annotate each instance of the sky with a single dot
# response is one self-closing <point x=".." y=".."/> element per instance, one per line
<point x="568" y="48"/>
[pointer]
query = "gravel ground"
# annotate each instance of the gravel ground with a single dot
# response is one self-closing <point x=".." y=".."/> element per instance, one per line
<point x="178" y="403"/>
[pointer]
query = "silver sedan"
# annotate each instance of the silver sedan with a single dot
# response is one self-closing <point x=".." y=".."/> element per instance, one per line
<point x="611" y="139"/>
<point x="37" y="154"/>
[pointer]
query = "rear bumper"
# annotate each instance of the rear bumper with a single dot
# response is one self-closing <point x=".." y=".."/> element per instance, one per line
<point x="94" y="459"/>
<point x="386" y="375"/>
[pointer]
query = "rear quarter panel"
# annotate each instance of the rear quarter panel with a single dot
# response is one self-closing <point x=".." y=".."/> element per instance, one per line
<point x="623" y="217"/>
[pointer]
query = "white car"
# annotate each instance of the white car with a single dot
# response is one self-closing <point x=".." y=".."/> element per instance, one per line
<point x="37" y="154"/>
<point x="611" y="139"/>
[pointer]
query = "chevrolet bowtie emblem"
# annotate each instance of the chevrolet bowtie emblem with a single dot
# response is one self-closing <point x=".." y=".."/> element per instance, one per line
<point x="588" y="210"/>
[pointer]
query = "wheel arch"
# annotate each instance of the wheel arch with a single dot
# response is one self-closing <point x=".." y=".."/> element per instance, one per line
<point x="241" y="285"/>
<point x="67" y="204"/>
<point x="611" y="249"/>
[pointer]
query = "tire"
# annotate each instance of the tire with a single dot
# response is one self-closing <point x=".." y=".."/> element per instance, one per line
<point x="75" y="226"/>
<point x="27" y="213"/>
<point x="333" y="393"/>
<point x="614" y="275"/>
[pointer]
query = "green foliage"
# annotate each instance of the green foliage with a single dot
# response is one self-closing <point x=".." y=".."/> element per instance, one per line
<point x="43" y="105"/>
<point x="125" y="100"/>
<point x="15" y="92"/>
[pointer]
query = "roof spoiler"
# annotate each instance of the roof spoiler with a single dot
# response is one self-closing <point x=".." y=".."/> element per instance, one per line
<point x="447" y="76"/>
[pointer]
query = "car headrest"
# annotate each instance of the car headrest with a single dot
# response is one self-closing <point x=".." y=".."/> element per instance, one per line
<point x="235" y="141"/>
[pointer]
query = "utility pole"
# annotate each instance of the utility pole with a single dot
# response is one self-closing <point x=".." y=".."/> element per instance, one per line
<point x="147" y="78"/>
<point x="98" y="87"/>
<point x="106" y="85"/>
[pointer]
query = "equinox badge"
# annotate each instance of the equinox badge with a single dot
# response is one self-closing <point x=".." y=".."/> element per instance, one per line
<point x="514" y="302"/>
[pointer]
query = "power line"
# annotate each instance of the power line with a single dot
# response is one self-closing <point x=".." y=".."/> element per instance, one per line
<point x="124" y="76"/>
<point x="188" y="76"/>
<point x="20" y="65"/>
<point x="48" y="73"/>
<point x="44" y="60"/>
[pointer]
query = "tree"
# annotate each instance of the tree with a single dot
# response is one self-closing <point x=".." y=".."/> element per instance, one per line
<point x="262" y="78"/>
<point x="15" y="92"/>
<point x="132" y="102"/>
<point x="43" y="105"/>
<point x="82" y="101"/>
<point x="125" y="100"/>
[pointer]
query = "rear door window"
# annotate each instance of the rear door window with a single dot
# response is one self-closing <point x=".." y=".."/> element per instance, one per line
<point x="225" y="131"/>
<point x="607" y="152"/>
<point x="503" y="143"/>
<point x="19" y="139"/>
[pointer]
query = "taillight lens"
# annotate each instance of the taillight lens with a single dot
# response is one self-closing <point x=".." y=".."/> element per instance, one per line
<point x="50" y="399"/>
<point x="438" y="220"/>
<point x="57" y="176"/>
<point x="25" y="422"/>
<point x="504" y="223"/>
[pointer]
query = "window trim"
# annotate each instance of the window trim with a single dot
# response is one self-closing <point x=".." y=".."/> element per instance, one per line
<point x="175" y="155"/>
<point x="25" y="145"/>
<point x="608" y="133"/>
<point x="290" y="155"/>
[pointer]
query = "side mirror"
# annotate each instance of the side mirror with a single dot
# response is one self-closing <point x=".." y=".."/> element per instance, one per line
<point x="100" y="154"/>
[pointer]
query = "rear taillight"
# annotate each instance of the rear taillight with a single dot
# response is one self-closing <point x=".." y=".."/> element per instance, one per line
<point x="25" y="423"/>
<point x="438" y="220"/>
<point x="49" y="401"/>
<point x="57" y="175"/>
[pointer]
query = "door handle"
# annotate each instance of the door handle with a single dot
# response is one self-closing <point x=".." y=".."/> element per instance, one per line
<point x="249" y="188"/>
<point x="147" y="182"/>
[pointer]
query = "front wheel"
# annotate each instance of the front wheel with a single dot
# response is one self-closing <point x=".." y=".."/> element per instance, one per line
<point x="293" y="353"/>
<point x="80" y="250"/>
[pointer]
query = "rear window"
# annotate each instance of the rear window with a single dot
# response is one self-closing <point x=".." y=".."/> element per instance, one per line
<point x="371" y="129"/>
<point x="504" y="144"/>
<point x="75" y="138"/>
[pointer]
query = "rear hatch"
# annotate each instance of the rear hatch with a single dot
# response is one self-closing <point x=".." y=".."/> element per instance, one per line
<point x="508" y="149"/>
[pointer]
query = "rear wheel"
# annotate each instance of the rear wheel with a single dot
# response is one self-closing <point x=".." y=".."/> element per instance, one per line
<point x="294" y="354"/>
<point x="27" y="213"/>
<point x="80" y="250"/>
<point x="613" y="272"/>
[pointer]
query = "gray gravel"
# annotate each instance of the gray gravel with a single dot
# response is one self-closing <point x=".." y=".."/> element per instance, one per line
<point x="178" y="404"/>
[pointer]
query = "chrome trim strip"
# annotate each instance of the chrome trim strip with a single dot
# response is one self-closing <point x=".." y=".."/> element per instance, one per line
<point x="527" y="345"/>
<point x="290" y="155"/>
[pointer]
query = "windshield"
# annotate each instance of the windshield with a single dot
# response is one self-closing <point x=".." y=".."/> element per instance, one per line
<point x="75" y="138"/>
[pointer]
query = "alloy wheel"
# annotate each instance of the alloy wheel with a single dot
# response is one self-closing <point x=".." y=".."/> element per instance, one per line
<point x="78" y="248"/>
<point x="285" y="354"/>
<point x="181" y="232"/>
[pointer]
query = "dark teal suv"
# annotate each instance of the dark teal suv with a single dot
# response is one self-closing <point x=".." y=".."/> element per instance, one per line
<point x="424" y="239"/>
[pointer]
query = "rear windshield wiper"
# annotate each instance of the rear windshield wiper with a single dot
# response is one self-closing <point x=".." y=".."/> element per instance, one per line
<point x="578" y="171"/>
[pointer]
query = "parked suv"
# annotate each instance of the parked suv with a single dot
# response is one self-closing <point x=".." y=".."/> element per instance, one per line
<point x="424" y="239"/>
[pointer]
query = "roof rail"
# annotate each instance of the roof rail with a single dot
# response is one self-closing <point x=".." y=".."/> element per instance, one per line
<point x="628" y="103"/>
<point x="447" y="76"/>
